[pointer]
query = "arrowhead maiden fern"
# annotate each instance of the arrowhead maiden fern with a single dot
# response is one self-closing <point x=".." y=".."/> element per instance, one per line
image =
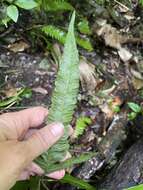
<point x="63" y="103"/>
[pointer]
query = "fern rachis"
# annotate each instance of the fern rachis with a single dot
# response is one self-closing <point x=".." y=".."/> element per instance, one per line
<point x="63" y="103"/>
<point x="64" y="97"/>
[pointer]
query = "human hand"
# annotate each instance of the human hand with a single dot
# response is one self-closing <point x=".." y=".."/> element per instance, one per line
<point x="21" y="143"/>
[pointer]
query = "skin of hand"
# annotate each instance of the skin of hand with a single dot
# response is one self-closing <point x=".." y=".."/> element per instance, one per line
<point x="21" y="141"/>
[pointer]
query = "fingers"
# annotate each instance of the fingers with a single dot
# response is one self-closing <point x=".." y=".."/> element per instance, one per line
<point x="31" y="170"/>
<point x="34" y="169"/>
<point x="14" y="125"/>
<point x="43" y="139"/>
<point x="57" y="175"/>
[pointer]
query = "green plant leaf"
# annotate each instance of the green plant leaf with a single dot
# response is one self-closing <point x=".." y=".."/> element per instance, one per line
<point x="132" y="115"/>
<point x="64" y="97"/>
<point x="77" y="182"/>
<point x="66" y="164"/>
<point x="21" y="185"/>
<point x="5" y="21"/>
<point x="116" y="109"/>
<point x="138" y="187"/>
<point x="83" y="27"/>
<point x="81" y="125"/>
<point x="27" y="93"/>
<point x="60" y="35"/>
<point x="134" y="107"/>
<point x="12" y="12"/>
<point x="141" y="2"/>
<point x="34" y="183"/>
<point x="22" y="93"/>
<point x="26" y="4"/>
<point x="56" y="5"/>
<point x="55" y="33"/>
<point x="85" y="43"/>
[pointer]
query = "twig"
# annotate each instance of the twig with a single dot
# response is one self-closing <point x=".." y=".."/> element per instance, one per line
<point x="122" y="5"/>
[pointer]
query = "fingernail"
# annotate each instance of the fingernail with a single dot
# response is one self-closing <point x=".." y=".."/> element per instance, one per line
<point x="57" y="129"/>
<point x="57" y="175"/>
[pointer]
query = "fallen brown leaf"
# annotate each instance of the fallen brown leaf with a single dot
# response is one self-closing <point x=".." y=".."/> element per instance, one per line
<point x="18" y="46"/>
<point x="87" y="75"/>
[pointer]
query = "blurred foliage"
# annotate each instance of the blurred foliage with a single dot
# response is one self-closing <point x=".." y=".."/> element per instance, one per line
<point x="141" y="2"/>
<point x="48" y="14"/>
<point x="20" y="94"/>
<point x="81" y="125"/>
<point x="9" y="9"/>
<point x="138" y="187"/>
<point x="136" y="109"/>
<point x="80" y="184"/>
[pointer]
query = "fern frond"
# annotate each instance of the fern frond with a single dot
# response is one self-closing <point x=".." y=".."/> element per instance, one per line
<point x="56" y="5"/>
<point x="81" y="125"/>
<point x="54" y="33"/>
<point x="64" y="97"/>
<point x="68" y="163"/>
<point x="60" y="35"/>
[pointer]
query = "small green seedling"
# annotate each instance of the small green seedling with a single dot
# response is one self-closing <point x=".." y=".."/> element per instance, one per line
<point x="11" y="9"/>
<point x="136" y="109"/>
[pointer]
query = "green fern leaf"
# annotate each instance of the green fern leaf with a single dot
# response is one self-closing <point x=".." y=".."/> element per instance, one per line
<point x="54" y="33"/>
<point x="60" y="35"/>
<point x="81" y="125"/>
<point x="83" y="27"/>
<point x="85" y="43"/>
<point x="66" y="164"/>
<point x="64" y="97"/>
<point x="56" y="5"/>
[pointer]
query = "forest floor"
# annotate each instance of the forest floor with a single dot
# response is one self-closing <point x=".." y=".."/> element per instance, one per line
<point x="111" y="77"/>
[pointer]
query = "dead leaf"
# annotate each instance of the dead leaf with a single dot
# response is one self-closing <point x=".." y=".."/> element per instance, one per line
<point x="110" y="35"/>
<point x="114" y="39"/>
<point x="10" y="91"/>
<point x="18" y="46"/>
<point x="140" y="66"/>
<point x="123" y="8"/>
<point x="137" y="79"/>
<point x="106" y="92"/>
<point x="124" y="54"/>
<point x="117" y="101"/>
<point x="138" y="84"/>
<point x="129" y="16"/>
<point x="107" y="110"/>
<point x="136" y="74"/>
<point x="40" y="90"/>
<point x="87" y="75"/>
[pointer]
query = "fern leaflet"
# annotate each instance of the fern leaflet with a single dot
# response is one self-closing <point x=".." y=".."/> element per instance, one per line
<point x="56" y="5"/>
<point x="54" y="33"/>
<point x="81" y="125"/>
<point x="60" y="35"/>
<point x="68" y="163"/>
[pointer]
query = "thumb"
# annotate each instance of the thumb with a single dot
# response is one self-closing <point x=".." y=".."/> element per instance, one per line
<point x="43" y="139"/>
